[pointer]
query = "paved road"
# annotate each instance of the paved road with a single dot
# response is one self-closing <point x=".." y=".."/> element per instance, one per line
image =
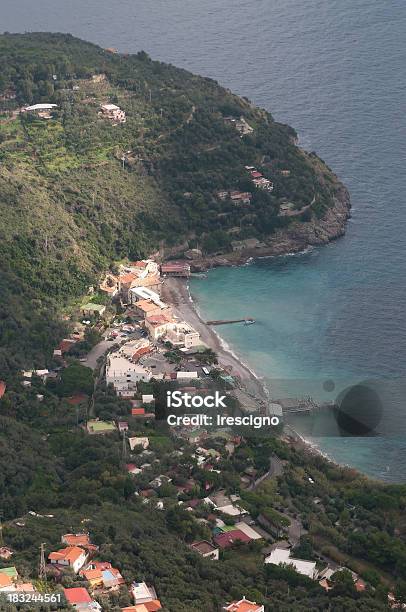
<point x="97" y="351"/>
<point x="275" y="469"/>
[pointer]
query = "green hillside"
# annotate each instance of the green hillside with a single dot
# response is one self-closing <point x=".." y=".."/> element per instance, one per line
<point x="78" y="192"/>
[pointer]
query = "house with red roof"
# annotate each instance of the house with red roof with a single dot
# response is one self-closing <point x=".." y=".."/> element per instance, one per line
<point x="137" y="411"/>
<point x="244" y="605"/>
<point x="102" y="575"/>
<point x="72" y="557"/>
<point x="81" y="540"/>
<point x="3" y="387"/>
<point x="229" y="538"/>
<point x="176" y="268"/>
<point x="80" y="599"/>
<point x="149" y="606"/>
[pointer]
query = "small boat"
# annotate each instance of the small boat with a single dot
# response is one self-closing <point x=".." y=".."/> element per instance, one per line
<point x="249" y="321"/>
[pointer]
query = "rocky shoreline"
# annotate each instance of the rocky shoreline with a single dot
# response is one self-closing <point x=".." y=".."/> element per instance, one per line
<point x="296" y="238"/>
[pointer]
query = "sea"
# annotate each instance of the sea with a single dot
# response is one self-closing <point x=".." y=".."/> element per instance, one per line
<point x="332" y="317"/>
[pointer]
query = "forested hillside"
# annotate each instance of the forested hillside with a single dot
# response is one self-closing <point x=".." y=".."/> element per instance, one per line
<point x="78" y="191"/>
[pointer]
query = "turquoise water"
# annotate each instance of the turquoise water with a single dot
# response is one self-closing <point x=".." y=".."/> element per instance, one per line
<point x="335" y="70"/>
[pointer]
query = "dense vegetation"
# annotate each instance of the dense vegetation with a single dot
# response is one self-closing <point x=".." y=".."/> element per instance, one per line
<point x="50" y="466"/>
<point x="77" y="193"/>
<point x="70" y="204"/>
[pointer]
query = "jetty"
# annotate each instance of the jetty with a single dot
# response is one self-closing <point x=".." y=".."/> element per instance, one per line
<point x="303" y="405"/>
<point x="228" y="321"/>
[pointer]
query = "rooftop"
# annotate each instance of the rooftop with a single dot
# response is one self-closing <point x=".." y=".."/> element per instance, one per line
<point x="77" y="595"/>
<point x="203" y="547"/>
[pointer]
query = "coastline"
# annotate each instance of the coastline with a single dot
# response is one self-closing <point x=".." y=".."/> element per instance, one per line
<point x="295" y="238"/>
<point x="176" y="292"/>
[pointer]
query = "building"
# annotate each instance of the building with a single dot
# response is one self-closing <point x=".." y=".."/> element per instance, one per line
<point x="157" y="325"/>
<point x="263" y="183"/>
<point x="148" y="308"/>
<point x="109" y="285"/>
<point x="102" y="575"/>
<point x="135" y="349"/>
<point x="244" y="605"/>
<point x="240" y="125"/>
<point x="142" y="441"/>
<point x="229" y="538"/>
<point x="41" y="110"/>
<point x="133" y="469"/>
<point x="176" y="268"/>
<point x="145" y="293"/>
<point x="79" y="539"/>
<point x="142" y="593"/>
<point x="5" y="553"/>
<point x="122" y="426"/>
<point x="249" y="243"/>
<point x="241" y="197"/>
<point x="6" y="582"/>
<point x="148" y="606"/>
<point x="225" y="504"/>
<point x="183" y="334"/>
<point x="206" y="549"/>
<point x="96" y="310"/>
<point x="138" y="274"/>
<point x="3" y="387"/>
<point x="80" y="599"/>
<point x="124" y="375"/>
<point x="281" y="556"/>
<point x="72" y="557"/>
<point x="113" y="113"/>
<point x="182" y="376"/>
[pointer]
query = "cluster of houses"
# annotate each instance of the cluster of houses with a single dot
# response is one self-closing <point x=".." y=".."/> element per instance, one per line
<point x="138" y="284"/>
<point x="102" y="578"/>
<point x="11" y="582"/>
<point x="258" y="179"/>
<point x="237" y="197"/>
<point x="145" y="274"/>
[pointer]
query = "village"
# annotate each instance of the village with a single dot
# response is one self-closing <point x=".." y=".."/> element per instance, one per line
<point x="131" y="344"/>
<point x="148" y="342"/>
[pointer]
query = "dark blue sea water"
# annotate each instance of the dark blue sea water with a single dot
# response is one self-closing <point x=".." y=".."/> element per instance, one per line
<point x="335" y="70"/>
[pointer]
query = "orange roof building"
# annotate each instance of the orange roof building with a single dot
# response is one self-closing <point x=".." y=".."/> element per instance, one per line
<point x="5" y="582"/>
<point x="76" y="539"/>
<point x="149" y="606"/>
<point x="244" y="605"/>
<point x="2" y="388"/>
<point x="72" y="556"/>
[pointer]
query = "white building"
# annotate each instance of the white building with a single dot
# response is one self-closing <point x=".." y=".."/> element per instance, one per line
<point x="144" y="293"/>
<point x="41" y="110"/>
<point x="72" y="556"/>
<point x="142" y="593"/>
<point x="281" y="556"/>
<point x="113" y="112"/>
<point x="124" y="375"/>
<point x="142" y="441"/>
<point x="182" y="334"/>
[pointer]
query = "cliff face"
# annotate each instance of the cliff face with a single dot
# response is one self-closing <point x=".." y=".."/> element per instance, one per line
<point x="293" y="239"/>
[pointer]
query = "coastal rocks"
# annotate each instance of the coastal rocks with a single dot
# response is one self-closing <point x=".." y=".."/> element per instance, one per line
<point x="293" y="239"/>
